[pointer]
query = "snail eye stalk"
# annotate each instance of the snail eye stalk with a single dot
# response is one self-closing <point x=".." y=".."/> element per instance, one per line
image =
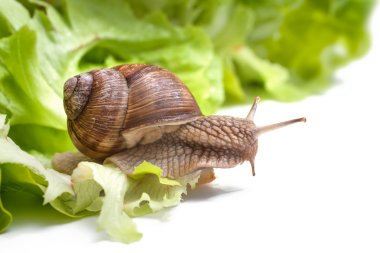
<point x="252" y="112"/>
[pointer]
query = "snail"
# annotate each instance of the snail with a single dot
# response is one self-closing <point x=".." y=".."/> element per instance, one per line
<point x="136" y="112"/>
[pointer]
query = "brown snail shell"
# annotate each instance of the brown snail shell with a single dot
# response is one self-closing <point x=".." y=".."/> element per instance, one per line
<point x="112" y="109"/>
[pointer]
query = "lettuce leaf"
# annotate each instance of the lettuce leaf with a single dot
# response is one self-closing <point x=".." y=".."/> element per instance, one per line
<point x="143" y="192"/>
<point x="149" y="192"/>
<point x="114" y="183"/>
<point x="5" y="215"/>
<point x="312" y="39"/>
<point x="91" y="188"/>
<point x="22" y="172"/>
<point x="307" y="39"/>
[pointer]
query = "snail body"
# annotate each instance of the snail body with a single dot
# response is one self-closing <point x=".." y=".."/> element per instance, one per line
<point x="207" y="142"/>
<point x="133" y="113"/>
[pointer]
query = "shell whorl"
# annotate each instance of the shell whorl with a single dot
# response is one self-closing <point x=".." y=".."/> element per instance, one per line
<point x="76" y="91"/>
<point x="95" y="121"/>
<point x="162" y="96"/>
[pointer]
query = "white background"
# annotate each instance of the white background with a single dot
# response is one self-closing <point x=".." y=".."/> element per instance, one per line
<point x="317" y="186"/>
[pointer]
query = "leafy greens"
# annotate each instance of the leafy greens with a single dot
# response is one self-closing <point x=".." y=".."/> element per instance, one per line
<point x="143" y="192"/>
<point x="225" y="51"/>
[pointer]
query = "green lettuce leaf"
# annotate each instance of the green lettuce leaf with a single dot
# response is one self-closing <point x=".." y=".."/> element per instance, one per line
<point x="14" y="177"/>
<point x="278" y="33"/>
<point x="147" y="168"/>
<point x="309" y="40"/>
<point x="22" y="172"/>
<point x="143" y="192"/>
<point x="149" y="192"/>
<point x="275" y="78"/>
<point x="5" y="215"/>
<point x="91" y="188"/>
<point x="12" y="16"/>
<point x="114" y="183"/>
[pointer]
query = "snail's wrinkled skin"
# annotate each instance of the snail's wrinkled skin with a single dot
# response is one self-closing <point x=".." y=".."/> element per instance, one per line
<point x="208" y="142"/>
